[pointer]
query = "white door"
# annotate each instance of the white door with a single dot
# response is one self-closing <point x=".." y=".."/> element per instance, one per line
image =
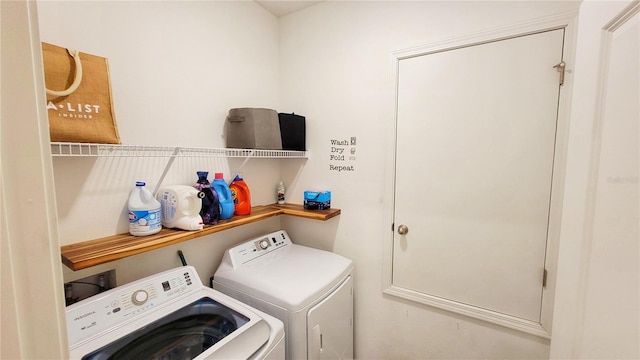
<point x="597" y="312"/>
<point x="330" y="325"/>
<point x="476" y="131"/>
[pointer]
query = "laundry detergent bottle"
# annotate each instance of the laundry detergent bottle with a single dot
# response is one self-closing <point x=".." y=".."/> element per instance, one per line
<point x="210" y="211"/>
<point x="144" y="211"/>
<point x="280" y="193"/>
<point x="241" y="196"/>
<point x="224" y="196"/>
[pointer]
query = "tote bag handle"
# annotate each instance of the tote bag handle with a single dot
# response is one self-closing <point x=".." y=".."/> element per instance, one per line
<point x="78" y="77"/>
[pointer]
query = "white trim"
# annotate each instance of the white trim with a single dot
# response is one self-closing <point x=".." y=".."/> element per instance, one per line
<point x="526" y="28"/>
<point x="559" y="175"/>
<point x="567" y="21"/>
<point x="475" y="312"/>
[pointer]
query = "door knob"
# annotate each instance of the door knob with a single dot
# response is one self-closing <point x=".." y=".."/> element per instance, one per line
<point x="403" y="229"/>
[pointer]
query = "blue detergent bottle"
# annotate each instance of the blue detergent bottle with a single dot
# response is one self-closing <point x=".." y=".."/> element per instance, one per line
<point x="224" y="195"/>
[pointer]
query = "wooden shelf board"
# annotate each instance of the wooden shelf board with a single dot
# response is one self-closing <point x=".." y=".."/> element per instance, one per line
<point x="94" y="252"/>
<point x="298" y="210"/>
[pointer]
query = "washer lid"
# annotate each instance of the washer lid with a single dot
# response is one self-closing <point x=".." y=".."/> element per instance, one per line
<point x="177" y="316"/>
<point x="183" y="334"/>
<point x="292" y="277"/>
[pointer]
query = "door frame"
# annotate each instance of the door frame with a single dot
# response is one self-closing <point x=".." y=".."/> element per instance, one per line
<point x="599" y="21"/>
<point x="29" y="246"/>
<point x="566" y="21"/>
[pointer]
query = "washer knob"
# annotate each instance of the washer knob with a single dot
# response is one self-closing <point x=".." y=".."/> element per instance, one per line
<point x="139" y="297"/>
<point x="264" y="244"/>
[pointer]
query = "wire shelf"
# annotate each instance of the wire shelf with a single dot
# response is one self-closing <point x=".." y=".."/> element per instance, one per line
<point x="64" y="149"/>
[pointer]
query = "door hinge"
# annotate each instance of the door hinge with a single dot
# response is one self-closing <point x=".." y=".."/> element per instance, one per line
<point x="544" y="278"/>
<point x="561" y="69"/>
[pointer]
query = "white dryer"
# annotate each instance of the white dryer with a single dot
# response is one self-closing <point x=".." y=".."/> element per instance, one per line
<point x="171" y="315"/>
<point x="309" y="290"/>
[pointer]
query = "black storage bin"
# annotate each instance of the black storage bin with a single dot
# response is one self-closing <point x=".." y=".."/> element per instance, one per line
<point x="292" y="131"/>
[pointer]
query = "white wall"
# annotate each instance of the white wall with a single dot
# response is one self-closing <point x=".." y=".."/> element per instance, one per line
<point x="176" y="67"/>
<point x="336" y="69"/>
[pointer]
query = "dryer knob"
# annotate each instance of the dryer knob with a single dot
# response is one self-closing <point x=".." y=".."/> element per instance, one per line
<point x="139" y="297"/>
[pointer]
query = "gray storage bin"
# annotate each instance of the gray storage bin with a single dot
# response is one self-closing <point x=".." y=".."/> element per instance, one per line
<point x="253" y="128"/>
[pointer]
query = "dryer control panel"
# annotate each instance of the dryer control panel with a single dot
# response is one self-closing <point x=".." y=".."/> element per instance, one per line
<point x="100" y="312"/>
<point x="257" y="247"/>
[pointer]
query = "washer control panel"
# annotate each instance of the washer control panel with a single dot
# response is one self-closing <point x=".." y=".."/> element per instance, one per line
<point x="123" y="303"/>
<point x="252" y="249"/>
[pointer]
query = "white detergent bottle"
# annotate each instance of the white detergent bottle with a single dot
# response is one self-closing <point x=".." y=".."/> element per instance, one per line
<point x="280" y="193"/>
<point x="144" y="212"/>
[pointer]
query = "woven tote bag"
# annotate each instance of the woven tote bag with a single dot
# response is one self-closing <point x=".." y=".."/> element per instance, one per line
<point x="79" y="101"/>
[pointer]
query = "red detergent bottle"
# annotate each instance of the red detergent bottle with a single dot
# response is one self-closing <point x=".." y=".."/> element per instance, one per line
<point x="241" y="196"/>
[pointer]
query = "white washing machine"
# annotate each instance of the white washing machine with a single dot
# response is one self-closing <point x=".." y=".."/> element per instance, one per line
<point x="310" y="290"/>
<point x="171" y="315"/>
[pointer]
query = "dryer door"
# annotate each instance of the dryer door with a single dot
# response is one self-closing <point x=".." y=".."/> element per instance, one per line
<point x="330" y="325"/>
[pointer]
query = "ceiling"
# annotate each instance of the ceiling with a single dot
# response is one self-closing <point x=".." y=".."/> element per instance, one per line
<point x="282" y="8"/>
